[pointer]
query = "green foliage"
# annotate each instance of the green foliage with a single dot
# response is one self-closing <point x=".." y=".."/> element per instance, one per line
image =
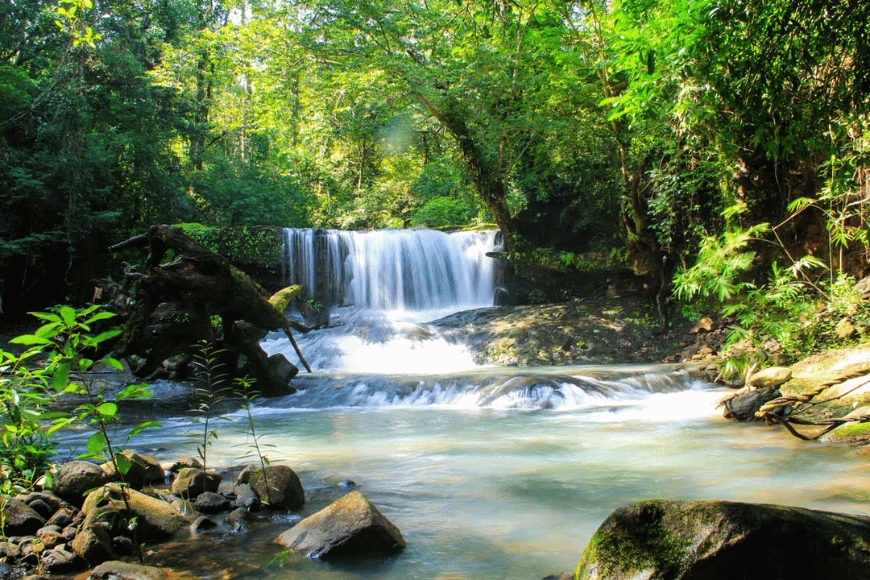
<point x="442" y="211"/>
<point x="244" y="389"/>
<point x="212" y="388"/>
<point x="66" y="341"/>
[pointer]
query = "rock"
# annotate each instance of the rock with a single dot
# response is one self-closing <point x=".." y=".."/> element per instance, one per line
<point x="202" y="524"/>
<point x="703" y="325"/>
<point x="182" y="463"/>
<point x="845" y="330"/>
<point x="61" y="518"/>
<point x="50" y="538"/>
<point x="135" y="476"/>
<point x="43" y="509"/>
<point x="117" y="570"/>
<point x="278" y="486"/>
<point x="743" y="405"/>
<point x="75" y="478"/>
<point x="211" y="503"/>
<point x="769" y="378"/>
<point x="9" y="551"/>
<point x="157" y="519"/>
<point x="853" y="432"/>
<point x="246" y="497"/>
<point x="349" y="526"/>
<point x="682" y="540"/>
<point x="59" y="561"/>
<point x="93" y="543"/>
<point x="153" y="470"/>
<point x="192" y="481"/>
<point x="19" y="519"/>
<point x="239" y="517"/>
<point x="282" y="369"/>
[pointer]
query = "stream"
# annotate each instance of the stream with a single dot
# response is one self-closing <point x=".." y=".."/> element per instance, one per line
<point x="489" y="472"/>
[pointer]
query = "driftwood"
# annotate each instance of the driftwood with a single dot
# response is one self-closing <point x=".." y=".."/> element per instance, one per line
<point x="177" y="301"/>
<point x="771" y="411"/>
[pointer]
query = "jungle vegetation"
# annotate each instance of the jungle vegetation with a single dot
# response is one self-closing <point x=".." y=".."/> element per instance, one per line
<point x="719" y="147"/>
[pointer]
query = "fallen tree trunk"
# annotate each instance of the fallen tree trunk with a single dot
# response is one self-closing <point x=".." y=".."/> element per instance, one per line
<point x="177" y="302"/>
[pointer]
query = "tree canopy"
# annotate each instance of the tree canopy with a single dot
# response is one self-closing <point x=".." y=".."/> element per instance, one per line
<point x="641" y="127"/>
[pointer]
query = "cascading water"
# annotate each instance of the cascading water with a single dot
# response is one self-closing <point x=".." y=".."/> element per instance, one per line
<point x="488" y="472"/>
<point x="389" y="270"/>
<point x="374" y="290"/>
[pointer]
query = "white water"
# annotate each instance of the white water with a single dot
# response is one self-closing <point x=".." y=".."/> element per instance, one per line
<point x="490" y="472"/>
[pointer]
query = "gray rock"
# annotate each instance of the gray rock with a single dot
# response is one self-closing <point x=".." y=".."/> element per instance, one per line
<point x="683" y="540"/>
<point x="75" y="478"/>
<point x="278" y="486"/>
<point x="239" y="517"/>
<point x="246" y="497"/>
<point x="19" y="519"/>
<point x="59" y="561"/>
<point x="350" y="526"/>
<point x="211" y="503"/>
<point x="191" y="482"/>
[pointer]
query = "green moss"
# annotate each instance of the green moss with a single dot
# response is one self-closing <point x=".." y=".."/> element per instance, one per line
<point x="850" y="433"/>
<point x="239" y="244"/>
<point x="645" y="544"/>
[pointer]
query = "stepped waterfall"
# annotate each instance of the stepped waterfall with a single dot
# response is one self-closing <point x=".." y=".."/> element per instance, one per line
<point x="406" y="270"/>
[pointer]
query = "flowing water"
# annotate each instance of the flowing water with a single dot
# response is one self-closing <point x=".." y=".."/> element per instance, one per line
<point x="490" y="472"/>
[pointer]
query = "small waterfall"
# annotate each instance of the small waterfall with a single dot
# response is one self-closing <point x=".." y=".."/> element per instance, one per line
<point x="409" y="270"/>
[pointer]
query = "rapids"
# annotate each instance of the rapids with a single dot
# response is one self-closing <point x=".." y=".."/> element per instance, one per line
<point x="488" y="472"/>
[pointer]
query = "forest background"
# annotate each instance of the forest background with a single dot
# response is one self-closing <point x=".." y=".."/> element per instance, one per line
<point x="718" y="148"/>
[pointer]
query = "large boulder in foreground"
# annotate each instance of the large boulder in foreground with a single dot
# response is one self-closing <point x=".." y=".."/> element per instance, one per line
<point x="689" y="540"/>
<point x="348" y="527"/>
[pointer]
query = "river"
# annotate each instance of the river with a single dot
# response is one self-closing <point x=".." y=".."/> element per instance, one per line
<point x="488" y="472"/>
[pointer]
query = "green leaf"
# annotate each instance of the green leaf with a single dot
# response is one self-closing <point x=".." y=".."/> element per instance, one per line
<point x="96" y="444"/>
<point x="69" y="315"/>
<point x="60" y="377"/>
<point x="107" y="410"/>
<point x="142" y="426"/>
<point x="112" y="362"/>
<point x="30" y="340"/>
<point x="123" y="462"/>
<point x="100" y="316"/>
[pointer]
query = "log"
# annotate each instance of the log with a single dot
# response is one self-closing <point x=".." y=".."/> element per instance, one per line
<point x="206" y="285"/>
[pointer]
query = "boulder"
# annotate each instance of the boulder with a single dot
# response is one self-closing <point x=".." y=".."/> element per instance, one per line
<point x="19" y="519"/>
<point x="348" y="527"/>
<point x="211" y="503"/>
<point x="191" y="482"/>
<point x="771" y="377"/>
<point x="157" y="519"/>
<point x="75" y="478"/>
<point x="278" y="486"/>
<point x="93" y="543"/>
<point x="246" y="497"/>
<point x="683" y="540"/>
<point x="143" y="469"/>
<point x="117" y="570"/>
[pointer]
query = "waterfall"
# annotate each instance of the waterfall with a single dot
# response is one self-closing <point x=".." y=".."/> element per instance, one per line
<point x="410" y="270"/>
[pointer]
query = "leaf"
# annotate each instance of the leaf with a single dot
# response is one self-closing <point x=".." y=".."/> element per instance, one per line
<point x="123" y="462"/>
<point x="69" y="315"/>
<point x="112" y="362"/>
<point x="30" y="340"/>
<point x="107" y="410"/>
<point x="100" y="316"/>
<point x="46" y="316"/>
<point x="96" y="444"/>
<point x="142" y="426"/>
<point x="60" y="377"/>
